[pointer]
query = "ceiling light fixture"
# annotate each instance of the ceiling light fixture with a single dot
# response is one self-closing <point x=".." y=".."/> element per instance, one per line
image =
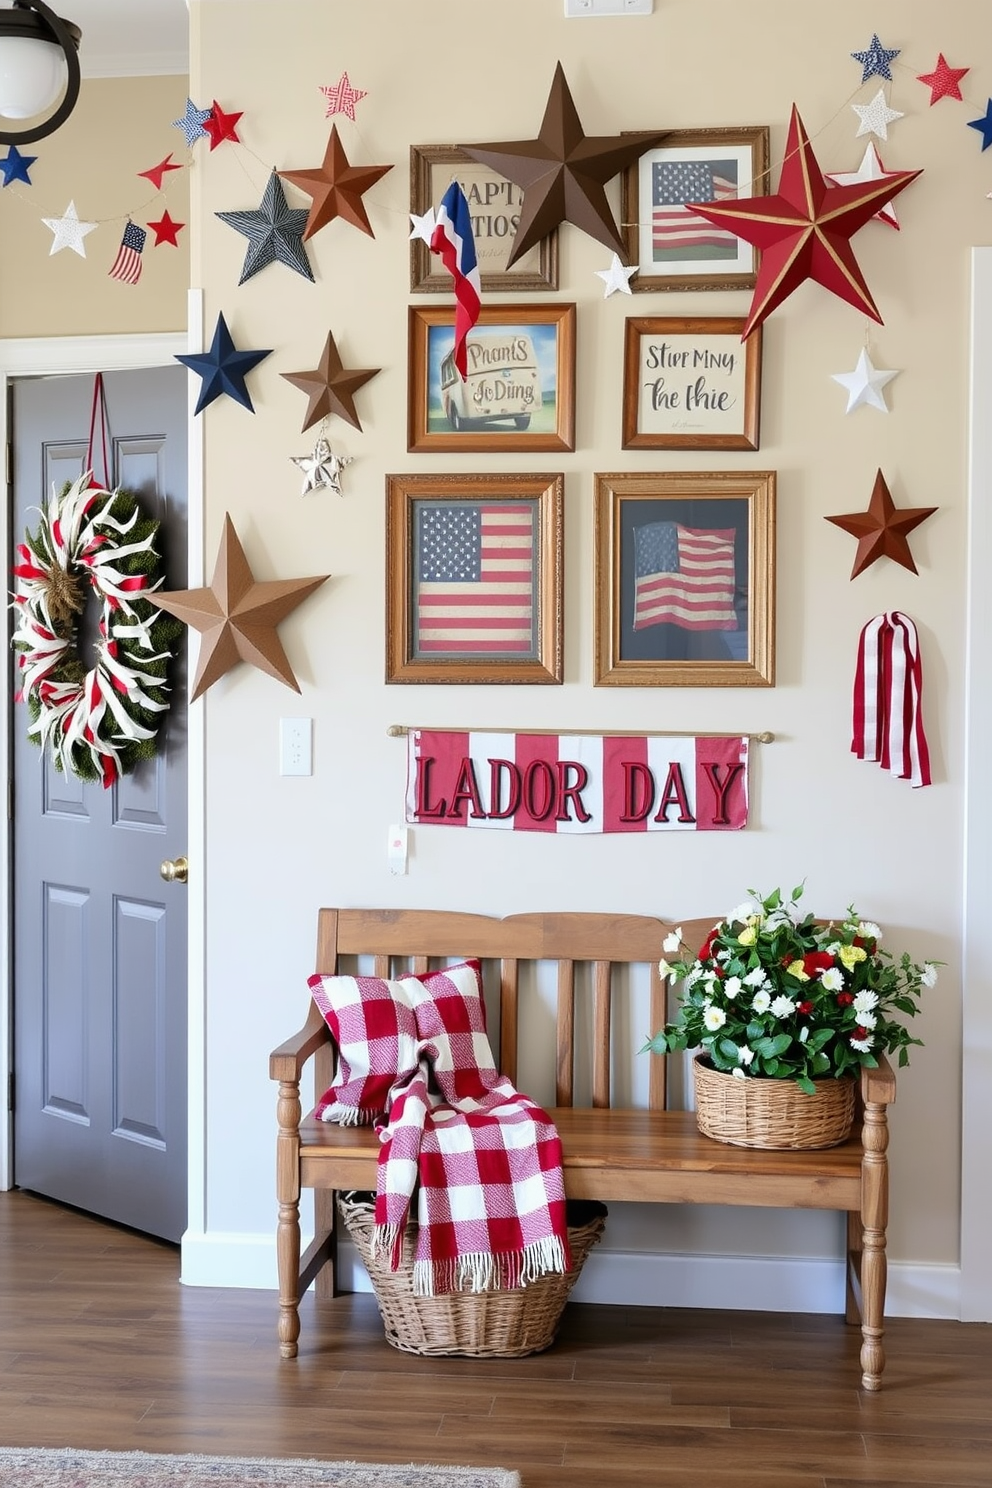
<point x="38" y="59"/>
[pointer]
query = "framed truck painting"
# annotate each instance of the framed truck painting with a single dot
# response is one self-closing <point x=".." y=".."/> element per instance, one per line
<point x="519" y="392"/>
<point x="685" y="579"/>
<point x="673" y="246"/>
<point x="474" y="578"/>
<point x="690" y="384"/>
<point x="495" y="207"/>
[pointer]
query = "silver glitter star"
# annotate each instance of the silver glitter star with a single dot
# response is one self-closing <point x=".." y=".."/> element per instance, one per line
<point x="322" y="468"/>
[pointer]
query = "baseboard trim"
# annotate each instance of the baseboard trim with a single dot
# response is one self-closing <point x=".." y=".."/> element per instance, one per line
<point x="630" y="1279"/>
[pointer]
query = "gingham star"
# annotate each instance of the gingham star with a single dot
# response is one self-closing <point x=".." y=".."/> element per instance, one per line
<point x="342" y="97"/>
<point x="943" y="81"/>
<point x="875" y="60"/>
<point x="192" y="123"/>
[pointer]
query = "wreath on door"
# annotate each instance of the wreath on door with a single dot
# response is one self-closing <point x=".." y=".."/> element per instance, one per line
<point x="97" y="722"/>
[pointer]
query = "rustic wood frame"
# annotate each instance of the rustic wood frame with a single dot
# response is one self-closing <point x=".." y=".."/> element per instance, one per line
<point x="635" y="436"/>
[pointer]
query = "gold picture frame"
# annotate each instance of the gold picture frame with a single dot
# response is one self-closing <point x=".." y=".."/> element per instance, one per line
<point x="474" y="567"/>
<point x="690" y="383"/>
<point x="520" y="390"/>
<point x="494" y="204"/>
<point x="672" y="248"/>
<point x="685" y="579"/>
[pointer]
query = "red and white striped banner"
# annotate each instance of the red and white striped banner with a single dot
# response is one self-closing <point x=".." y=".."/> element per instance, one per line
<point x="568" y="783"/>
<point x="888" y="699"/>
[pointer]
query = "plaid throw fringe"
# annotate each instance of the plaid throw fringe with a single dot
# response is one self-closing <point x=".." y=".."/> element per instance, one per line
<point x="480" y="1162"/>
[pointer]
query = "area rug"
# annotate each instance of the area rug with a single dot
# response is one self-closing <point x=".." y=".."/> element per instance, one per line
<point x="42" y="1467"/>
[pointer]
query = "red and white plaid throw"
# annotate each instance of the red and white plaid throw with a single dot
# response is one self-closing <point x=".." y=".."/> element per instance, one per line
<point x="483" y="1161"/>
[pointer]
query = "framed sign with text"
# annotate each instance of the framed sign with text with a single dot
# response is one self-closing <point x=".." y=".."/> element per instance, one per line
<point x="690" y="384"/>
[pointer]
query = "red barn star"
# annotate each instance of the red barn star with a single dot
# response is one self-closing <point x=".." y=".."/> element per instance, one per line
<point x="336" y="188"/>
<point x="883" y="529"/>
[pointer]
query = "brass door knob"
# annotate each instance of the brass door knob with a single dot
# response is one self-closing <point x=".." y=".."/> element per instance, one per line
<point x="175" y="870"/>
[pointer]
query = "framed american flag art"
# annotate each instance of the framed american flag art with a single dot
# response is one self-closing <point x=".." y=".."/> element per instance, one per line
<point x="474" y="578"/>
<point x="673" y="246"/>
<point x="685" y="579"/>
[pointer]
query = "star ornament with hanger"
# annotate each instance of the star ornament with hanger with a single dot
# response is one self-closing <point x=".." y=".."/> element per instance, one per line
<point x="274" y="231"/>
<point x="804" y="231"/>
<point x="336" y="188"/>
<point x="330" y="386"/>
<point x="563" y="173"/>
<point x="237" y="616"/>
<point x="321" y="469"/>
<point x="883" y="529"/>
<point x="865" y="385"/>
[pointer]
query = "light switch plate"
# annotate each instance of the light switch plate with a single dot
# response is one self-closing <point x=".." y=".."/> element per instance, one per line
<point x="608" y="7"/>
<point x="296" y="746"/>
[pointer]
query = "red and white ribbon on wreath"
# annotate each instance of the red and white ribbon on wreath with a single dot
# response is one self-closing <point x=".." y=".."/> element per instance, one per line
<point x="888" y="698"/>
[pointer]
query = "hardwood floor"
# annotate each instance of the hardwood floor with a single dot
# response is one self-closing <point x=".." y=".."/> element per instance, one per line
<point x="100" y="1346"/>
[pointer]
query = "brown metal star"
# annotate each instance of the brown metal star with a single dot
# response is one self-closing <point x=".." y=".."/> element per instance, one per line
<point x="237" y="616"/>
<point x="563" y="172"/>
<point x="336" y="188"/>
<point x="330" y="386"/>
<point x="882" y="530"/>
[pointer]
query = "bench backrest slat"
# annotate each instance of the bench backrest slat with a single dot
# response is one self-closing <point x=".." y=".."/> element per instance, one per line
<point x="565" y="1035"/>
<point x="601" y="1035"/>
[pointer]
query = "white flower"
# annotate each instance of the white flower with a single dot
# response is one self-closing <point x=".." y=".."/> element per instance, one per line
<point x="862" y="1045"/>
<point x="868" y="930"/>
<point x="744" y="1054"/>
<point x="672" y="943"/>
<point x="867" y="1020"/>
<point x="694" y="974"/>
<point x="750" y="909"/>
<point x="738" y="1073"/>
<point x="723" y="955"/>
<point x="804" y="1033"/>
<point x="832" y="978"/>
<point x="865" y="1000"/>
<point x="714" y="1018"/>
<point x="832" y="948"/>
<point x="663" y="966"/>
<point x="786" y="914"/>
<point x="756" y="978"/>
<point x="761" y="1001"/>
<point x="732" y="987"/>
<point x="782" y="1006"/>
<point x="928" y="976"/>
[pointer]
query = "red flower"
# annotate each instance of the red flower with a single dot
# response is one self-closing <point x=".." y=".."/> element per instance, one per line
<point x="815" y="961"/>
<point x="861" y="1033"/>
<point x="706" y="949"/>
<point x="804" y="1007"/>
<point x="844" y="999"/>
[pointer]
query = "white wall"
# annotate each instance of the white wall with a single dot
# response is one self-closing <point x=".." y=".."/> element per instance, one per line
<point x="277" y="848"/>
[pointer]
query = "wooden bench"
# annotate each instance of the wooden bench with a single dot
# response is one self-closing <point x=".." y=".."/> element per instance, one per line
<point x="655" y="1155"/>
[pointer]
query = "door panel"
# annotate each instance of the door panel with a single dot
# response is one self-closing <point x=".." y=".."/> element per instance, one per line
<point x="99" y="939"/>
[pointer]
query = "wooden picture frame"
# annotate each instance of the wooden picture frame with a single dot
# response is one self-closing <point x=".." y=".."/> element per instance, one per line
<point x="685" y="579"/>
<point x="494" y="204"/>
<point x="690" y="383"/>
<point x="520" y="390"/>
<point x="692" y="165"/>
<point x="474" y="578"/>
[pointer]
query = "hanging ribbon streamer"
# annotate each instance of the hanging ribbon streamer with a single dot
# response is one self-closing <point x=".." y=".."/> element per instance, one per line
<point x="888" y="699"/>
<point x="98" y="411"/>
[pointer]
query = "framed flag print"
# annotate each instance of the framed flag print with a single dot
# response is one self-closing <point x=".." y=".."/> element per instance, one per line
<point x="673" y="247"/>
<point x="474" y="578"/>
<point x="685" y="579"/>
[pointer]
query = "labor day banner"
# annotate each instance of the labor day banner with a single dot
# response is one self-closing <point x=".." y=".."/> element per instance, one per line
<point x="574" y="783"/>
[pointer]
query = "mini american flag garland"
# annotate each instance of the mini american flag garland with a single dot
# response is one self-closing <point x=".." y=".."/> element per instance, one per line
<point x="127" y="264"/>
<point x="99" y="723"/>
<point x="888" y="699"/>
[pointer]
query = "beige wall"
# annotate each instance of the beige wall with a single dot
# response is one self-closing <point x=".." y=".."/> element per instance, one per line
<point x="278" y="848"/>
<point x="119" y="126"/>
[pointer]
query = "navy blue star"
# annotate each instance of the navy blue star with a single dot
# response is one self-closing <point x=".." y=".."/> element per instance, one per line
<point x="191" y="123"/>
<point x="223" y="368"/>
<point x="984" y="126"/>
<point x="15" y="166"/>
<point x="875" y="61"/>
<point x="274" y="232"/>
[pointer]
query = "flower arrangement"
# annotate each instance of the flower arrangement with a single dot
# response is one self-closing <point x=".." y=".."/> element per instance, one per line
<point x="773" y="993"/>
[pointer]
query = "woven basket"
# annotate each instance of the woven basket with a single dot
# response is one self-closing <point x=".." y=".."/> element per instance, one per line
<point x="494" y="1324"/>
<point x="772" y="1113"/>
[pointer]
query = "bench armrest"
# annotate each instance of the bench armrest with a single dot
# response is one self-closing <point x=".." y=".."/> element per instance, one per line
<point x="878" y="1086"/>
<point x="286" y="1062"/>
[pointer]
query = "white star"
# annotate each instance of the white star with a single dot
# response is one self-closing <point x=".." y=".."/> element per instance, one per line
<point x="875" y="116"/>
<point x="322" y="468"/>
<point x="616" y="277"/>
<point x="864" y="385"/>
<point x="870" y="169"/>
<point x="423" y="227"/>
<point x="69" y="231"/>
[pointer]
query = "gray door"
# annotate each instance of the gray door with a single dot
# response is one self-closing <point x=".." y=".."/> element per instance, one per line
<point x="99" y="939"/>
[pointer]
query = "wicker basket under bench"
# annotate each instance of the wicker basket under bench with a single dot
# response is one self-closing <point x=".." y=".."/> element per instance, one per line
<point x="653" y="1156"/>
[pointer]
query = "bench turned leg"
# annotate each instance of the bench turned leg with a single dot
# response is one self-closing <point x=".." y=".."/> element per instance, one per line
<point x="289" y="1112"/>
<point x="874" y="1218"/>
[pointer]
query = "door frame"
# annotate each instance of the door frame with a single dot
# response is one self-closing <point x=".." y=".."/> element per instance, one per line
<point x="63" y="356"/>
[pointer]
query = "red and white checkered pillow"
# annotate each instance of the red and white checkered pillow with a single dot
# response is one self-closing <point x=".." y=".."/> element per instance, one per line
<point x="379" y="1027"/>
